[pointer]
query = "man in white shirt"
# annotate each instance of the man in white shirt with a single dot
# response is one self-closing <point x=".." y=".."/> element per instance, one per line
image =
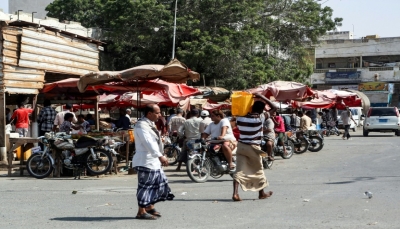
<point x="346" y="116"/>
<point x="205" y="115"/>
<point x="147" y="161"/>
<point x="176" y="122"/>
<point x="60" y="116"/>
<point x="128" y="113"/>
<point x="221" y="129"/>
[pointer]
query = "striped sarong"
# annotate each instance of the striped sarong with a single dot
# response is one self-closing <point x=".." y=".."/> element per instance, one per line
<point x="152" y="187"/>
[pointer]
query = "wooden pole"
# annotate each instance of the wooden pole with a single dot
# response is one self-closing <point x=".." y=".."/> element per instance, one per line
<point x="96" y="113"/>
<point x="3" y="145"/>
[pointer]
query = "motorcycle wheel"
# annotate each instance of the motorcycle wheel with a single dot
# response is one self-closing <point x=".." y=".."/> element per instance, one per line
<point x="267" y="164"/>
<point x="172" y="154"/>
<point x="328" y="133"/>
<point x="302" y="145"/>
<point x="289" y="152"/>
<point x="197" y="173"/>
<point x="38" y="167"/>
<point x="316" y="144"/>
<point x="101" y="165"/>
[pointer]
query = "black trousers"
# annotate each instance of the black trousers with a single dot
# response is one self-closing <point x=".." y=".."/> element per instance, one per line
<point x="346" y="131"/>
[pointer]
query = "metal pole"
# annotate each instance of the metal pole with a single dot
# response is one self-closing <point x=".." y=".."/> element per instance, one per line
<point x="173" y="41"/>
<point x="32" y="15"/>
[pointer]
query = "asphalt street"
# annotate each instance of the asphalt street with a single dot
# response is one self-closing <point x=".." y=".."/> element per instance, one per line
<point x="312" y="190"/>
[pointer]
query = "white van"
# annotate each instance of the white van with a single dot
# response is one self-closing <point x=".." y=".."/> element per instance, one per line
<point x="356" y="113"/>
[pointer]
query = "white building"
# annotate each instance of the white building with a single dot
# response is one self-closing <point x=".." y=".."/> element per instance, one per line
<point x="347" y="63"/>
<point x="29" y="6"/>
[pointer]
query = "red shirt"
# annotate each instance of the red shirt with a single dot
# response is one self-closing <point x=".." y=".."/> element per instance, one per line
<point x="280" y="128"/>
<point x="22" y="115"/>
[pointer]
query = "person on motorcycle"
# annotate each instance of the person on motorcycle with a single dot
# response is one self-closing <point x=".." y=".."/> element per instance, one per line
<point x="221" y="129"/>
<point x="305" y="124"/>
<point x="205" y="115"/>
<point x="269" y="134"/>
<point x="279" y="129"/>
<point x="191" y="131"/>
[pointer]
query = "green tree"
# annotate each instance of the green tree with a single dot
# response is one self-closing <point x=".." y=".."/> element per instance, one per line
<point x="238" y="44"/>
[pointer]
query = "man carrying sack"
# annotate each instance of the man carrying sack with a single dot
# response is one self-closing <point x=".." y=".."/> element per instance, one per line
<point x="249" y="169"/>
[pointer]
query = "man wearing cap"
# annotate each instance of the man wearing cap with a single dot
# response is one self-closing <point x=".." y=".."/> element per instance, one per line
<point x="60" y="116"/>
<point x="191" y="130"/>
<point x="205" y="115"/>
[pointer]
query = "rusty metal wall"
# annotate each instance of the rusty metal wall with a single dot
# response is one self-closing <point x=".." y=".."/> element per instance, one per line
<point x="27" y="54"/>
<point x="55" y="52"/>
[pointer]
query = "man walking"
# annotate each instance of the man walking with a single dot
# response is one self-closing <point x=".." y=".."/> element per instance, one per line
<point x="249" y="169"/>
<point x="152" y="182"/>
<point x="346" y="116"/>
<point x="22" y="117"/>
<point x="46" y="118"/>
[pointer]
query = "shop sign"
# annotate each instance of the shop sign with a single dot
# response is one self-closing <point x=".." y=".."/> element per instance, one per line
<point x="343" y="77"/>
<point x="373" y="86"/>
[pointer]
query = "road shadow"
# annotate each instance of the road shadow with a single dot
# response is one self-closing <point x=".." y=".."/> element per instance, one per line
<point x="189" y="181"/>
<point x="213" y="200"/>
<point x="357" y="179"/>
<point x="90" y="219"/>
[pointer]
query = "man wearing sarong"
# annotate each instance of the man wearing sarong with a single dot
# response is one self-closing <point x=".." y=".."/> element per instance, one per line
<point x="249" y="169"/>
<point x="152" y="182"/>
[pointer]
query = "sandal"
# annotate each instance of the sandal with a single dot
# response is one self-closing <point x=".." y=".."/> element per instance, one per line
<point x="146" y="216"/>
<point x="154" y="212"/>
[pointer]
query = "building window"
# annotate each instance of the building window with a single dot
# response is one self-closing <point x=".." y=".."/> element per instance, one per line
<point x="331" y="65"/>
<point x="319" y="65"/>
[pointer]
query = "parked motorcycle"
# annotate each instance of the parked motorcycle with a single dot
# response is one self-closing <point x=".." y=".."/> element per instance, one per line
<point x="277" y="149"/>
<point x="206" y="159"/>
<point x="172" y="149"/>
<point x="86" y="153"/>
<point x="312" y="141"/>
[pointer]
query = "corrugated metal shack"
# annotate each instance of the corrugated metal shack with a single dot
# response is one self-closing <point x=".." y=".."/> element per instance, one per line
<point x="32" y="54"/>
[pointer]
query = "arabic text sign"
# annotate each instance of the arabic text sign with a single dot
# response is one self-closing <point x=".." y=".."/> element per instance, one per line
<point x="373" y="86"/>
<point x="343" y="76"/>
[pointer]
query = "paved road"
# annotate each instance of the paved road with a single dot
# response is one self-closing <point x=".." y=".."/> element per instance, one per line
<point x="313" y="190"/>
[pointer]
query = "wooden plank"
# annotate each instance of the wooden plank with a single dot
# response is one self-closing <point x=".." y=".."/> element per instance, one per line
<point x="23" y="84"/>
<point x="22" y="76"/>
<point x="3" y="136"/>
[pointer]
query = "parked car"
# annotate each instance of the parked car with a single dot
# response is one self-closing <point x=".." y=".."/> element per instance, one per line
<point x="382" y="119"/>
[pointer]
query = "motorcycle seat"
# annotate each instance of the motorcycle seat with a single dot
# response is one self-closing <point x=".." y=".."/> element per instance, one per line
<point x="85" y="141"/>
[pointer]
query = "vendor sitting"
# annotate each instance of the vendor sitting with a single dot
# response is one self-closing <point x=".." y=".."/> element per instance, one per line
<point x="67" y="125"/>
<point x="84" y="124"/>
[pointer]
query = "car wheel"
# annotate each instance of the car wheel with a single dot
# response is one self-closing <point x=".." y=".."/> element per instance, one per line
<point x="397" y="132"/>
<point x="365" y="133"/>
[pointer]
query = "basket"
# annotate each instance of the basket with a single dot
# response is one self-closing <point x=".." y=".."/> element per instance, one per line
<point x="241" y="103"/>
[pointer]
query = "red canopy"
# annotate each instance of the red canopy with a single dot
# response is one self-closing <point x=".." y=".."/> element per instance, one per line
<point x="284" y="90"/>
<point x="211" y="105"/>
<point x="175" y="92"/>
<point x="330" y="98"/>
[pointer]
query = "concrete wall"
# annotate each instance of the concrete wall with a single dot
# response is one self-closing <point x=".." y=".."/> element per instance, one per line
<point x="358" y="47"/>
<point x="29" y="6"/>
<point x="385" y="74"/>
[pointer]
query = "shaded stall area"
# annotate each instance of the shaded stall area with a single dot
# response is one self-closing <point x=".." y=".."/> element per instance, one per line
<point x="30" y="55"/>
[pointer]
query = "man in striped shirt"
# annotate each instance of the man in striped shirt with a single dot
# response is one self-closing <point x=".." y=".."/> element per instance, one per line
<point x="249" y="170"/>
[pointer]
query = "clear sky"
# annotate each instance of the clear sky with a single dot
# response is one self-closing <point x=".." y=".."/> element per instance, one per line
<point x="368" y="16"/>
<point x="4" y="5"/>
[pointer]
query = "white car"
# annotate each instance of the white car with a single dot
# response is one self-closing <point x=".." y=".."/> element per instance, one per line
<point x="356" y="116"/>
<point x="382" y="119"/>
